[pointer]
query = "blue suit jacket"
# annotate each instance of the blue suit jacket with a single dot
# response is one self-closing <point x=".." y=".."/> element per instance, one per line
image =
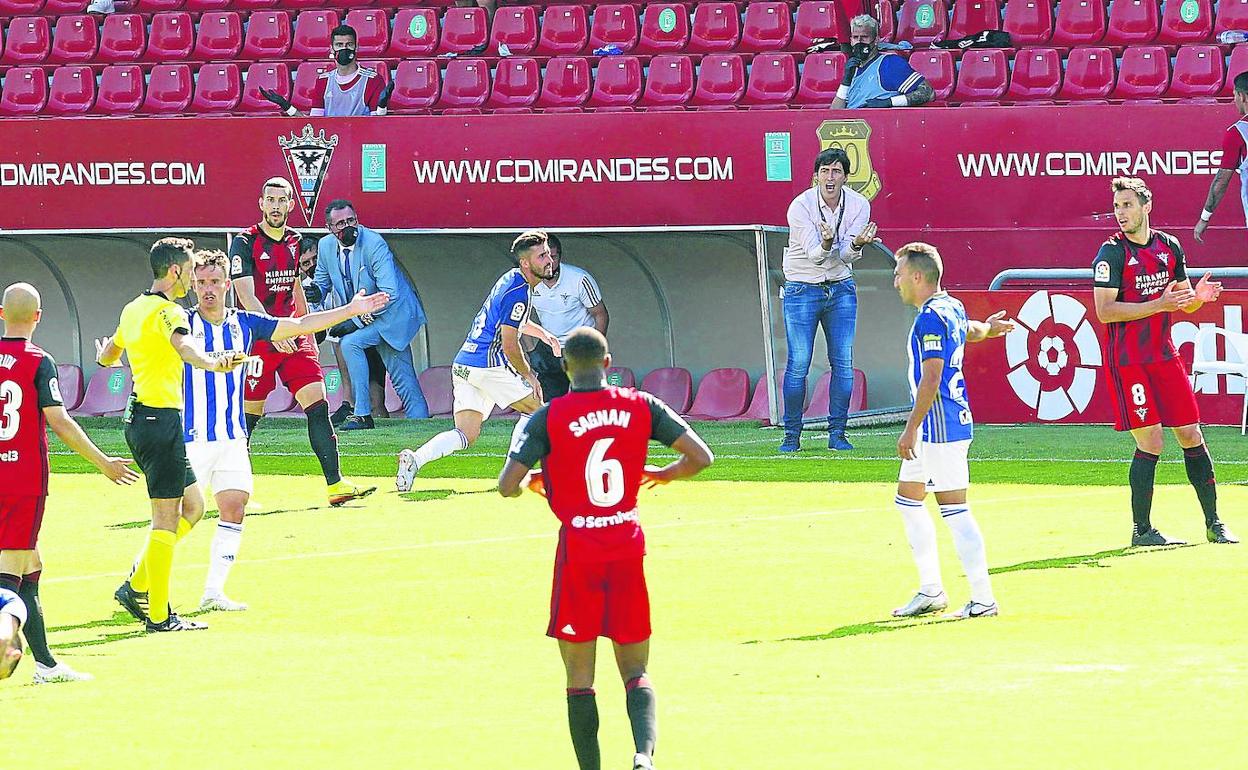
<point x="373" y="268"/>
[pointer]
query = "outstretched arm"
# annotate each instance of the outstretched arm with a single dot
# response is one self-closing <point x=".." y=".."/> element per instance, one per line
<point x="314" y="322"/>
<point x="115" y="468"/>
<point x="995" y="325"/>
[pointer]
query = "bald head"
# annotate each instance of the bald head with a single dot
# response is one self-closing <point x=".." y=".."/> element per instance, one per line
<point x="20" y="307"/>
<point x="585" y="352"/>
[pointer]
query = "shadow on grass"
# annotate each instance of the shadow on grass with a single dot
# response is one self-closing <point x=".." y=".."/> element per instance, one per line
<point x="425" y="495"/>
<point x="145" y="523"/>
<point x="118" y="619"/>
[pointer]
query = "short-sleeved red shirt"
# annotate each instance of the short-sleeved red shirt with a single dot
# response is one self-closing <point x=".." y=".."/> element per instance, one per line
<point x="274" y="266"/>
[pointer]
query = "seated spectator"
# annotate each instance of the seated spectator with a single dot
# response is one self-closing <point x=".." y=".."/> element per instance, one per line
<point x="346" y="90"/>
<point x="874" y="78"/>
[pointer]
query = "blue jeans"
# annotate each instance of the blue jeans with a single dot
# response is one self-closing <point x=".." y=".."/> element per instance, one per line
<point x="398" y="364"/>
<point x="806" y="307"/>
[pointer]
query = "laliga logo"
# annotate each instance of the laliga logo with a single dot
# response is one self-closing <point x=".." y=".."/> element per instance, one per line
<point x="1051" y="356"/>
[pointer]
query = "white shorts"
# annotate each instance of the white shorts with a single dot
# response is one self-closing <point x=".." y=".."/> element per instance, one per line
<point x="480" y="389"/>
<point x="941" y="467"/>
<point x="221" y="465"/>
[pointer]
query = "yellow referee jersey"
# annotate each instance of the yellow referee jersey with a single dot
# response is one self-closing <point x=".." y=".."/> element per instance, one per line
<point x="146" y="325"/>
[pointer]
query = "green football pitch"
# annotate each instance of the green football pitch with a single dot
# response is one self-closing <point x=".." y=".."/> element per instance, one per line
<point x="407" y="630"/>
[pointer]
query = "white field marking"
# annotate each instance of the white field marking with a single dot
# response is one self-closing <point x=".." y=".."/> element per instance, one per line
<point x="551" y="535"/>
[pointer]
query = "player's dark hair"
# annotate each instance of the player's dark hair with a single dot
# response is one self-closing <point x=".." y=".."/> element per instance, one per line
<point x="168" y="252"/>
<point x="1135" y="185"/>
<point x="924" y="258"/>
<point x="343" y="30"/>
<point x="1241" y="83"/>
<point x="527" y="240"/>
<point x="555" y="243"/>
<point x="833" y="155"/>
<point x="337" y="204"/>
<point x="308" y="243"/>
<point x="585" y="349"/>
<point x="277" y="181"/>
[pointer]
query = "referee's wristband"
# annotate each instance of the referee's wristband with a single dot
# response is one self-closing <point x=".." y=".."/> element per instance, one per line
<point x="1206" y="215"/>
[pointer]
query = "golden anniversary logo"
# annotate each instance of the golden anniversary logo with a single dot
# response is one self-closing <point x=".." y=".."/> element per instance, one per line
<point x="852" y="137"/>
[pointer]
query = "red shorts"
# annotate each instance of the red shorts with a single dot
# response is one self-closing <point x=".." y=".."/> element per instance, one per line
<point x="593" y="599"/>
<point x="1148" y="394"/>
<point x="296" y="369"/>
<point x="20" y="519"/>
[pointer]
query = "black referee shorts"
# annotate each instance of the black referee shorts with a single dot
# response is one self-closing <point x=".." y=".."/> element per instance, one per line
<point x="155" y="439"/>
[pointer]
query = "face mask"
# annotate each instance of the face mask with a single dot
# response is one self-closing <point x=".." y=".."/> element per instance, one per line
<point x="344" y="56"/>
<point x="348" y="235"/>
<point x="860" y="51"/>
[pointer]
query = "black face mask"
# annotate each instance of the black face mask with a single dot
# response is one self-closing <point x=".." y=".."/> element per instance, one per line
<point x="861" y="51"/>
<point x="344" y="56"/>
<point x="348" y="235"/>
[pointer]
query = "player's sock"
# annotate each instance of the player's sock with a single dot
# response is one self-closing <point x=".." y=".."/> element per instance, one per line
<point x="518" y="431"/>
<point x="441" y="445"/>
<point x="35" y="631"/>
<point x="324" y="441"/>
<point x="583" y="723"/>
<point x="639" y="698"/>
<point x="225" y="545"/>
<point x="1200" y="473"/>
<point x="252" y="420"/>
<point x="1143" y="471"/>
<point x="159" y="561"/>
<point x="921" y="533"/>
<point x="969" y="544"/>
<point x="138" y="572"/>
<point x="11" y="582"/>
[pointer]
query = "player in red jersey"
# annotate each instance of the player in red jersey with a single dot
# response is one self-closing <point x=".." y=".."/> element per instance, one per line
<point x="592" y="446"/>
<point x="30" y="400"/>
<point x="1140" y="278"/>
<point x="264" y="266"/>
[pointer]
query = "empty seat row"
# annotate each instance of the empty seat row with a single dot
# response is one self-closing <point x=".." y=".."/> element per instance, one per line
<point x="56" y="7"/>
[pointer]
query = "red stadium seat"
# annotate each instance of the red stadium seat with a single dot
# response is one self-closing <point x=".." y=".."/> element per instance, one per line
<point x="816" y="20"/>
<point x="1132" y="22"/>
<point x="1232" y="14"/>
<point x="25" y="91"/>
<point x="75" y="40"/>
<point x="417" y="85"/>
<point x="372" y="30"/>
<point x="937" y="69"/>
<point x="268" y="35"/>
<point x="311" y="38"/>
<point x="1079" y="22"/>
<point x="670" y="84"/>
<point x="672" y="384"/>
<point x="20" y="7"/>
<point x="415" y="33"/>
<point x="123" y="38"/>
<point x="617" y="84"/>
<point x="171" y="38"/>
<point x="436" y="384"/>
<point x="516" y="28"/>
<point x="759" y="408"/>
<point x="305" y="83"/>
<point x="820" y="399"/>
<point x="280" y="401"/>
<point x="107" y="393"/>
<point x="271" y="76"/>
<point x="722" y="393"/>
<point x="465" y="86"/>
<point x="822" y="74"/>
<point x="56" y="7"/>
<point x="517" y="82"/>
<point x="69" y="381"/>
<point x="887" y="18"/>
<point x="218" y="88"/>
<point x="1029" y="22"/>
<point x="72" y="92"/>
<point x="721" y="82"/>
<point x="1143" y="73"/>
<point x="621" y="377"/>
<point x="923" y="21"/>
<point x="158" y="6"/>
<point x="664" y="29"/>
<point x="971" y="17"/>
<point x="255" y="5"/>
<point x="1089" y="74"/>
<point x="767" y="27"/>
<point x="463" y="29"/>
<point x="565" y="30"/>
<point x="28" y="41"/>
<point x="1198" y="72"/>
<point x="220" y="36"/>
<point x="984" y="76"/>
<point x="773" y="81"/>
<point x="170" y="89"/>
<point x="614" y="25"/>
<point x="200" y="6"/>
<point x="716" y="28"/>
<point x="566" y="84"/>
<point x="1190" y="21"/>
<point x="120" y="91"/>
<point x="1037" y="75"/>
<point x="1237" y="64"/>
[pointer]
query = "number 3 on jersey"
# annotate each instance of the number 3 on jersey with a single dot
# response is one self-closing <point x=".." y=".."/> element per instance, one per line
<point x="604" y="477"/>
<point x="10" y="403"/>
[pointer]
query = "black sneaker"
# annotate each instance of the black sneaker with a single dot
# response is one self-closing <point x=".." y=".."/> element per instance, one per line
<point x="134" y="602"/>
<point x="1151" y="537"/>
<point x="341" y="414"/>
<point x="175" y="623"/>
<point x="1220" y="533"/>
<point x="357" y="422"/>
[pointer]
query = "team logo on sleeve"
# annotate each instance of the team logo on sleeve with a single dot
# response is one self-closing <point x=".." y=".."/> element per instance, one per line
<point x="932" y="342"/>
<point x="307" y="161"/>
<point x="55" y="388"/>
<point x="1102" y="271"/>
<point x="517" y="311"/>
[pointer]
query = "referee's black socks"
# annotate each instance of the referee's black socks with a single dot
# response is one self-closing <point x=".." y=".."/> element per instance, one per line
<point x="1143" y="472"/>
<point x="1200" y="473"/>
<point x="583" y="724"/>
<point x="324" y="442"/>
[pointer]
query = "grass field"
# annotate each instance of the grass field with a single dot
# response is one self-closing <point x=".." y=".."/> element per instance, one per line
<point x="407" y="631"/>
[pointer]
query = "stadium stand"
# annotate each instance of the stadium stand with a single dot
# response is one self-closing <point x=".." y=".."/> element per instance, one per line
<point x="773" y="82"/>
<point x="615" y="25"/>
<point x="69" y="378"/>
<point x="623" y="375"/>
<point x="120" y="90"/>
<point x="1037" y="75"/>
<point x="105" y="395"/>
<point x="721" y="82"/>
<point x="819" y="399"/>
<point x="617" y="85"/>
<point x="722" y="393"/>
<point x="765" y="27"/>
<point x="123" y="38"/>
<point x="72" y="91"/>
<point x="664" y="29"/>
<point x="517" y="84"/>
<point x="25" y="92"/>
<point x="673" y="384"/>
<point x="670" y="84"/>
<point x="465" y="87"/>
<point x="417" y="85"/>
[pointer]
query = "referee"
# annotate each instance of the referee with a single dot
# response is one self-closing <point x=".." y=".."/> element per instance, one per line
<point x="155" y="334"/>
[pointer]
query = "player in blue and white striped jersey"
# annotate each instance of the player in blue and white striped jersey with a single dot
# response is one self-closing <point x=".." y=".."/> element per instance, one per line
<point x="934" y="444"/>
<point x="12" y="618"/>
<point x="214" y="426"/>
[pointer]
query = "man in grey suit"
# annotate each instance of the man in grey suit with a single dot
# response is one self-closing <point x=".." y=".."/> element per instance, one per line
<point x="352" y="258"/>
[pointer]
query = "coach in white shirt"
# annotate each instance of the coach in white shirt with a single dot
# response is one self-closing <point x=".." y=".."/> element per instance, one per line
<point x="569" y="300"/>
<point x="829" y="225"/>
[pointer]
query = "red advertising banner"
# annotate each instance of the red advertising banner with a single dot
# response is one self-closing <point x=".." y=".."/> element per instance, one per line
<point x="994" y="188"/>
<point x="1051" y="369"/>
